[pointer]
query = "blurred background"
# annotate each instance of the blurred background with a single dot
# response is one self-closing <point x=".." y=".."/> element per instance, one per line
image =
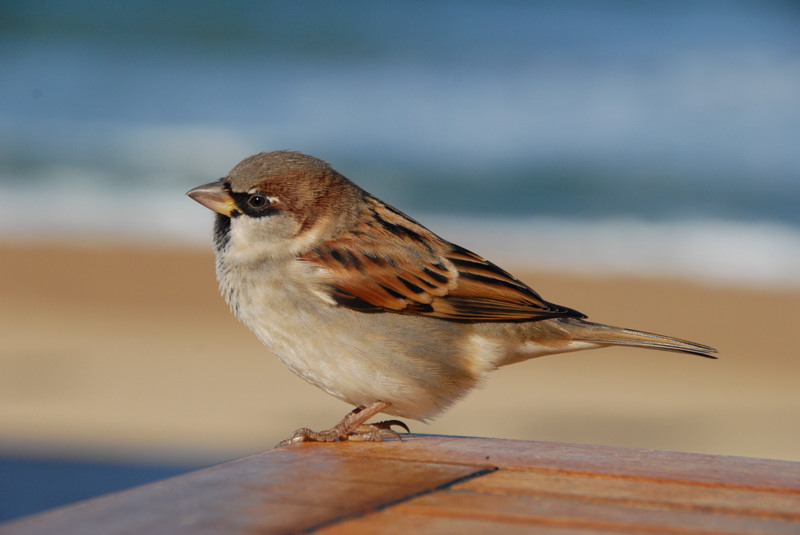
<point x="636" y="161"/>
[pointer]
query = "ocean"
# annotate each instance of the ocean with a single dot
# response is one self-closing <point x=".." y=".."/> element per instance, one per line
<point x="657" y="135"/>
<point x="645" y="139"/>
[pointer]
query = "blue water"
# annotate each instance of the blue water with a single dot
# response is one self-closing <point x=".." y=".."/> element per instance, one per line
<point x="678" y="117"/>
<point x="587" y="109"/>
<point x="29" y="486"/>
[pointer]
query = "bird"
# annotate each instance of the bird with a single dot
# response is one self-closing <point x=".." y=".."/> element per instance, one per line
<point x="367" y="304"/>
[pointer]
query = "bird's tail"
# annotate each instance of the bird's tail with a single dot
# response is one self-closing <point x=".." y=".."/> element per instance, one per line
<point x="597" y="333"/>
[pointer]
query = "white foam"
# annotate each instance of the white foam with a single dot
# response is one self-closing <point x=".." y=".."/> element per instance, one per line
<point x="718" y="251"/>
<point x="714" y="251"/>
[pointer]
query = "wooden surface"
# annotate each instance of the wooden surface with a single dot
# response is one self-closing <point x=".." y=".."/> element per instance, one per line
<point x="435" y="484"/>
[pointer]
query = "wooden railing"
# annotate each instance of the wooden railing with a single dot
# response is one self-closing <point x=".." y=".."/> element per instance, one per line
<point x="450" y="485"/>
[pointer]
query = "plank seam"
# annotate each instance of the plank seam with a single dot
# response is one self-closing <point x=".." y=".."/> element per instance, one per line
<point x="444" y="486"/>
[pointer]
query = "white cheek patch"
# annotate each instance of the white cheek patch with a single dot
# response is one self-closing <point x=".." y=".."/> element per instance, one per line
<point x="254" y="240"/>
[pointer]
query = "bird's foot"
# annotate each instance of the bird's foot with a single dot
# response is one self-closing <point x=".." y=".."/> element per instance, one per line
<point x="376" y="431"/>
<point x="353" y="427"/>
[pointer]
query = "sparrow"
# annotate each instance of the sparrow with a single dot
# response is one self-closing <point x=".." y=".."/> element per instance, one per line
<point x="364" y="302"/>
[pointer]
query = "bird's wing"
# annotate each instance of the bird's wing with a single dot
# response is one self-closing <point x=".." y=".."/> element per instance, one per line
<point x="391" y="263"/>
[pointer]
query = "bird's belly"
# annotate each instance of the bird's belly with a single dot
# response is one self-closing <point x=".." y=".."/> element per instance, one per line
<point x="419" y="365"/>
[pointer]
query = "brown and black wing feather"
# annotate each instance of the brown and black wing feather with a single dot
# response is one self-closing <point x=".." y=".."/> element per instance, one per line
<point x="391" y="263"/>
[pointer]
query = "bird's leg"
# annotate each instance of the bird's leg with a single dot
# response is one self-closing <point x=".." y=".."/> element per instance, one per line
<point x="352" y="427"/>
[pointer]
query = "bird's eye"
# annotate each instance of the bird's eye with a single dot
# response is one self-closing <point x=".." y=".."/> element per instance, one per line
<point x="257" y="201"/>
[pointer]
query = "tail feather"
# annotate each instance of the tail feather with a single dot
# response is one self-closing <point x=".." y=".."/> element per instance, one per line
<point x="586" y="331"/>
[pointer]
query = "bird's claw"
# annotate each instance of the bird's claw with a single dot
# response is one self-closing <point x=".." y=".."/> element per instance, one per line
<point x="351" y="428"/>
<point x="375" y="432"/>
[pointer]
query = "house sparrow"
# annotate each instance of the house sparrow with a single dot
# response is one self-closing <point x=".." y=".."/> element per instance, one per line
<point x="365" y="303"/>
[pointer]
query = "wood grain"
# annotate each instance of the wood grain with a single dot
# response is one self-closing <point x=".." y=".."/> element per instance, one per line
<point x="436" y="484"/>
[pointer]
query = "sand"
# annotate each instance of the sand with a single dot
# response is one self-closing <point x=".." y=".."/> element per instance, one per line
<point x="125" y="351"/>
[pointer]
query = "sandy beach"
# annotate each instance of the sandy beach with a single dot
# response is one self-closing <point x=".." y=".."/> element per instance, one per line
<point x="128" y="352"/>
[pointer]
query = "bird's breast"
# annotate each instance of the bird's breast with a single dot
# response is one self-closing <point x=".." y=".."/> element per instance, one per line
<point x="419" y="365"/>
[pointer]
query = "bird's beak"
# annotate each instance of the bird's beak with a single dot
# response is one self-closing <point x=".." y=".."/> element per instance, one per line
<point x="214" y="197"/>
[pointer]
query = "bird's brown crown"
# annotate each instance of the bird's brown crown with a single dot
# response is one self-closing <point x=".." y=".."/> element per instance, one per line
<point x="298" y="183"/>
<point x="278" y="166"/>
